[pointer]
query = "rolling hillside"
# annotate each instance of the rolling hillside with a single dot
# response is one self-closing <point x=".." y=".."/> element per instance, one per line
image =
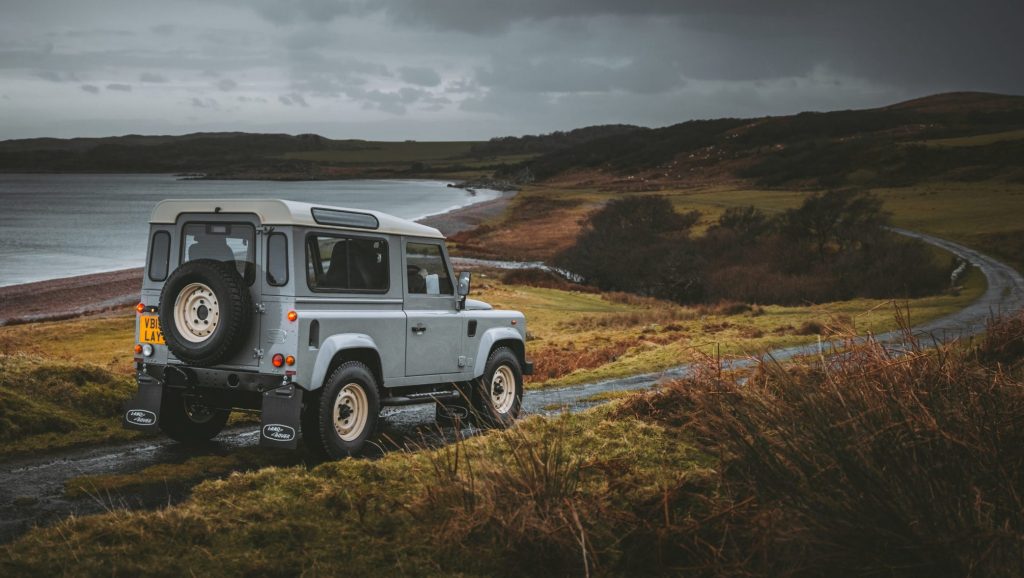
<point x="950" y="137"/>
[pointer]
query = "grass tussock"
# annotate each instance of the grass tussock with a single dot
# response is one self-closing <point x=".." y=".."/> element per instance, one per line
<point x="52" y="404"/>
<point x="554" y="361"/>
<point x="163" y="475"/>
<point x="871" y="462"/>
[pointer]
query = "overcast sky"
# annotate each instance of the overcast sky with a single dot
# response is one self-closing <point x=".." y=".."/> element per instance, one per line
<point x="470" y="69"/>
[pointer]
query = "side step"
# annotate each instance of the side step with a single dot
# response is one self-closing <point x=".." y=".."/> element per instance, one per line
<point x="423" y="397"/>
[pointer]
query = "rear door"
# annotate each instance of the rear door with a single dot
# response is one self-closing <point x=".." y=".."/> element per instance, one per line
<point x="434" y="327"/>
<point x="231" y="238"/>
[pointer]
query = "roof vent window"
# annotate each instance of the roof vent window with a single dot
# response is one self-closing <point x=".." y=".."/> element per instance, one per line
<point x="345" y="219"/>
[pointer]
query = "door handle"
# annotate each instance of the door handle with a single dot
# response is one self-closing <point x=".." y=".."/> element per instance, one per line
<point x="419" y="329"/>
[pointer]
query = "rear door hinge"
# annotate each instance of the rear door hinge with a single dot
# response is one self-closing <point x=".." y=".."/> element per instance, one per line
<point x="257" y="353"/>
<point x="261" y="308"/>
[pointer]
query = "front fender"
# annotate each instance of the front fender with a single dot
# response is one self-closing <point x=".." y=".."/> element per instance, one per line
<point x="330" y="347"/>
<point x="487" y="340"/>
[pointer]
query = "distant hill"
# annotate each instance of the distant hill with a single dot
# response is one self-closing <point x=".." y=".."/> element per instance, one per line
<point x="198" y="152"/>
<point x="890" y="146"/>
<point x="546" y="143"/>
<point x="955" y="136"/>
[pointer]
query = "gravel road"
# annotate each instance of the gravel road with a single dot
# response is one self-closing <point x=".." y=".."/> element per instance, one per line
<point x="31" y="488"/>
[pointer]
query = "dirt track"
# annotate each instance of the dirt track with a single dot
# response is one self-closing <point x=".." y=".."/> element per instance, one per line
<point x="31" y="489"/>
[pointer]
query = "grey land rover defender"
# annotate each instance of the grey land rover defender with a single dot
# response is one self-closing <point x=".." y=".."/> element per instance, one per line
<point x="317" y="317"/>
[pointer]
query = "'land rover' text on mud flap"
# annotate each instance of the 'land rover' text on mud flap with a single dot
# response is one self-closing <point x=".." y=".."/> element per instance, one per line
<point x="280" y="419"/>
<point x="142" y="412"/>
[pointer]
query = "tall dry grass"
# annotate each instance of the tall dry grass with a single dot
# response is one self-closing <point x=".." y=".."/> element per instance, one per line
<point x="877" y="461"/>
<point x="872" y="462"/>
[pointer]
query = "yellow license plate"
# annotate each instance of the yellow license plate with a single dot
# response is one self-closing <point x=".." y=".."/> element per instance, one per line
<point x="149" y="330"/>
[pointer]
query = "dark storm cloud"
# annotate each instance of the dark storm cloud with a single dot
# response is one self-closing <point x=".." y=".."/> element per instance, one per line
<point x="226" y="84"/>
<point x="152" y="77"/>
<point x="925" y="41"/>
<point x="293" y="98"/>
<point x="418" y="75"/>
<point x="209" y="103"/>
<point x="479" y="68"/>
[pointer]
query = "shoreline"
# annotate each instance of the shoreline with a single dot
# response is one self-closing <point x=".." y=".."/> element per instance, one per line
<point x="92" y="293"/>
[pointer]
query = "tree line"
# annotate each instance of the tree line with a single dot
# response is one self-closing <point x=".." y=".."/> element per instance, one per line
<point x="834" y="246"/>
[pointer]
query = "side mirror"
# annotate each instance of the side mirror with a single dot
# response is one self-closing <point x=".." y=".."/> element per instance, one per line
<point x="464" y="282"/>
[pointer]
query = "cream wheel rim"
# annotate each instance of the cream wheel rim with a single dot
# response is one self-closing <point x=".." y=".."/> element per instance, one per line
<point x="196" y="312"/>
<point x="503" y="389"/>
<point x="351" y="410"/>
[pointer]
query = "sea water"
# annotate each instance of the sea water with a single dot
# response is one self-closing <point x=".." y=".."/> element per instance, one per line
<point x="54" y="226"/>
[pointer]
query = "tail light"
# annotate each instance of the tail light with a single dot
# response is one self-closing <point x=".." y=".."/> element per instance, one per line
<point x="138" y="348"/>
<point x="277" y="360"/>
<point x="140" y="307"/>
<point x="292" y="316"/>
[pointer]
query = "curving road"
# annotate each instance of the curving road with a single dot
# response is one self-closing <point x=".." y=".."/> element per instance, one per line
<point x="31" y="489"/>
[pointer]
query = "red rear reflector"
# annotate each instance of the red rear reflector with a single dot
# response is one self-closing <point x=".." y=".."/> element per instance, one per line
<point x="277" y="360"/>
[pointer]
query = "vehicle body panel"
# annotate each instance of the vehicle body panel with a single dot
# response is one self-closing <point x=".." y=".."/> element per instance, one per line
<point x="430" y="341"/>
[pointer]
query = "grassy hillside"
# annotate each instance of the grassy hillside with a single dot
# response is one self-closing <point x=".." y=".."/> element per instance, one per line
<point x="962" y="137"/>
<point x="856" y="465"/>
<point x="282" y="156"/>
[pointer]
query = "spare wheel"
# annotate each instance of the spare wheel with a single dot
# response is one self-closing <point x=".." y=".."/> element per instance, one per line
<point x="205" y="312"/>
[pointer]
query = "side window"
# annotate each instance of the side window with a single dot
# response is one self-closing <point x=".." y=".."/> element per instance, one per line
<point x="159" y="256"/>
<point x="338" y="263"/>
<point x="277" y="259"/>
<point x="426" y="270"/>
<point x="228" y="242"/>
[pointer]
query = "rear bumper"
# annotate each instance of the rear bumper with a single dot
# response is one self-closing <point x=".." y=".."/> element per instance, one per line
<point x="278" y="401"/>
<point x="224" y="379"/>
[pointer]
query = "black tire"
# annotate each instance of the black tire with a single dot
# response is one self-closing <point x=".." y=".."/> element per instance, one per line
<point x="184" y="418"/>
<point x="312" y="440"/>
<point x="355" y="381"/>
<point x="455" y="413"/>
<point x="486" y="392"/>
<point x="233" y="305"/>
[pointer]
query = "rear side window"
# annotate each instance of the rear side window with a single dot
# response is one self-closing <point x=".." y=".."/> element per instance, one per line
<point x="277" y="259"/>
<point x="159" y="256"/>
<point x="424" y="265"/>
<point x="340" y="263"/>
<point x="226" y="242"/>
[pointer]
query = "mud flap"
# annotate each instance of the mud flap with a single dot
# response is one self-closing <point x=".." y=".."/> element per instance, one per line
<point x="142" y="412"/>
<point x="280" y="423"/>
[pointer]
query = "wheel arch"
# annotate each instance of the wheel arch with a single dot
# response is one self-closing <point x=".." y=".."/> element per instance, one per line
<point x="498" y="337"/>
<point x="339" y="349"/>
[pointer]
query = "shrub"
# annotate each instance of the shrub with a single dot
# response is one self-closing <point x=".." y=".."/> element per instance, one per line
<point x="868" y="462"/>
<point x="833" y="247"/>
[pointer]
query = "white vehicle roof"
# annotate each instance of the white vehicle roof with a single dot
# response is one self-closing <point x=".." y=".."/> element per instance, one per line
<point x="281" y="212"/>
